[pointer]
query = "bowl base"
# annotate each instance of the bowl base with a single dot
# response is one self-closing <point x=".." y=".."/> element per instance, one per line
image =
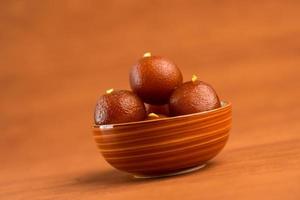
<point x="185" y="171"/>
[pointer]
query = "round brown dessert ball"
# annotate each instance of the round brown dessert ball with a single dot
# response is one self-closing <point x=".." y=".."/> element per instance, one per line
<point x="192" y="97"/>
<point x="158" y="109"/>
<point x="154" y="79"/>
<point x="119" y="107"/>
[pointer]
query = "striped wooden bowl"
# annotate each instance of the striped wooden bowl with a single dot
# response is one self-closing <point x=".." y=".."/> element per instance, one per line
<point x="165" y="146"/>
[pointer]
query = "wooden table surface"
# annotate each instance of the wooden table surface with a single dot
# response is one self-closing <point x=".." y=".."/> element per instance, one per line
<point x="57" y="58"/>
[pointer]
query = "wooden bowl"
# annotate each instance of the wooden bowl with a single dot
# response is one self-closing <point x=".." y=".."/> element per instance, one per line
<point x="165" y="146"/>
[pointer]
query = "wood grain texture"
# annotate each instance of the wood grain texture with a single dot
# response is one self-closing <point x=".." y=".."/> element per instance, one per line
<point x="57" y="57"/>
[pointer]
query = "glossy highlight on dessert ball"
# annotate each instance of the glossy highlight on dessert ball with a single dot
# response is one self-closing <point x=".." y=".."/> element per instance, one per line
<point x="154" y="78"/>
<point x="192" y="97"/>
<point x="119" y="107"/>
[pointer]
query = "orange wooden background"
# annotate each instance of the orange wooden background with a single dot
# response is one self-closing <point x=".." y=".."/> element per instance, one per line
<point x="57" y="57"/>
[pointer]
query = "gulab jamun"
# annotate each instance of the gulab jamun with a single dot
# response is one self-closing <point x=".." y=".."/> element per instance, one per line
<point x="192" y="97"/>
<point x="154" y="78"/>
<point x="119" y="107"/>
<point x="158" y="109"/>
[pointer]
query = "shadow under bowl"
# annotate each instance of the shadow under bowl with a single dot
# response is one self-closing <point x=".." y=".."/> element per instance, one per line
<point x="165" y="146"/>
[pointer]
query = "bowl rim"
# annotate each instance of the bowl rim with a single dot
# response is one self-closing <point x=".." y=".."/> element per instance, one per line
<point x="224" y="105"/>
